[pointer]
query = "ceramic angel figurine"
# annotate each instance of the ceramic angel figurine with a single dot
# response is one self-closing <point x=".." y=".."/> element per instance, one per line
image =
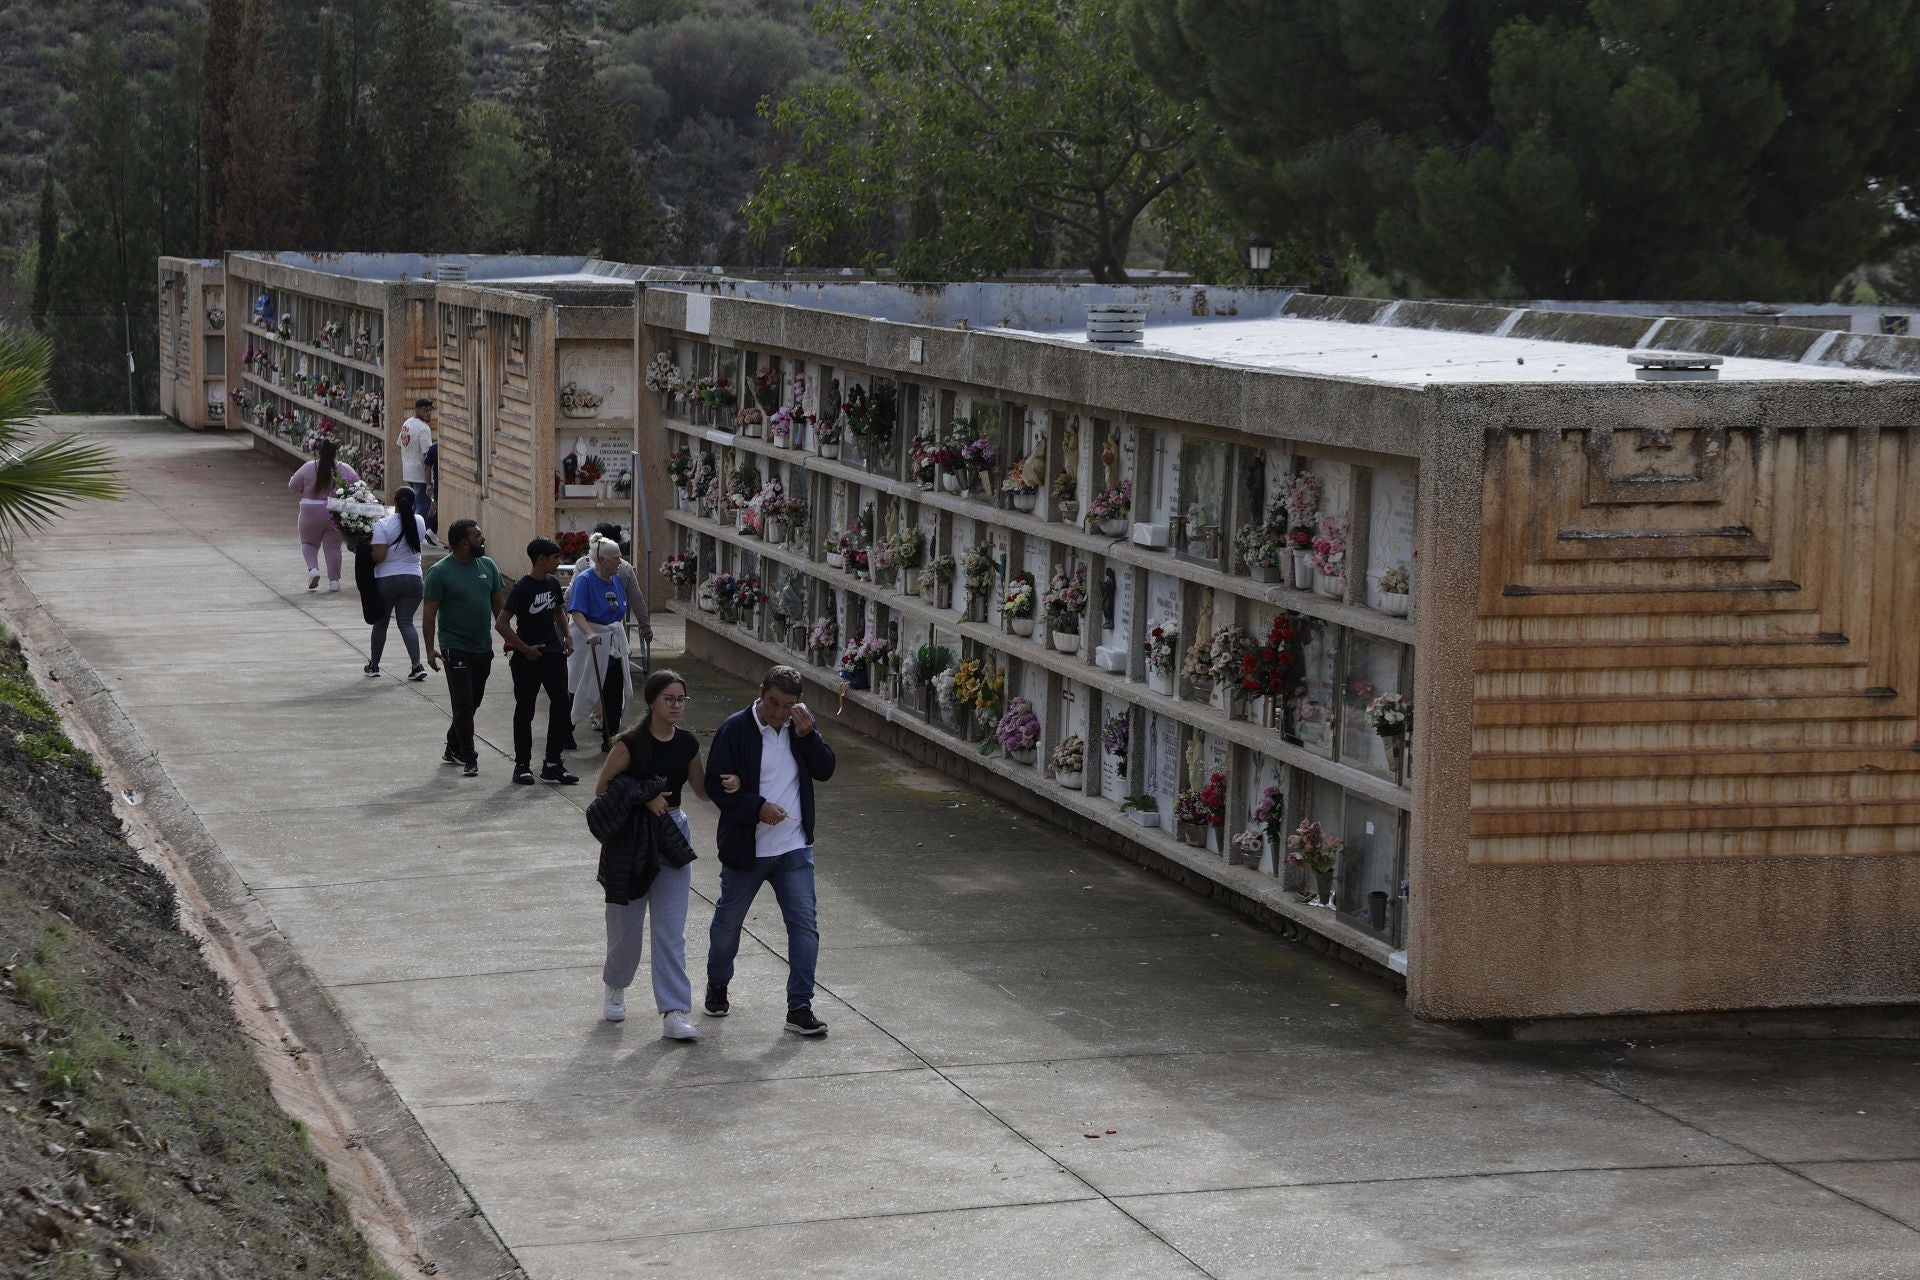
<point x="1033" y="466"/>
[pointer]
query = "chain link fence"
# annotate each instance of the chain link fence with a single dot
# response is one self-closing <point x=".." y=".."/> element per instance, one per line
<point x="105" y="360"/>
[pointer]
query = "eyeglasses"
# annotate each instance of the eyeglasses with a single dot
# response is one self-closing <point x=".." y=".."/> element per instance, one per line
<point x="673" y="701"/>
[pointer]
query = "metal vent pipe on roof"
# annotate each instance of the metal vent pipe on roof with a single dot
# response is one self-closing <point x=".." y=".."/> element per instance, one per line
<point x="450" y="271"/>
<point x="1116" y="323"/>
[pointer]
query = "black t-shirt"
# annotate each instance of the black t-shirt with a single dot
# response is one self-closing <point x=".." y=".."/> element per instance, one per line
<point x="535" y="603"/>
<point x="648" y="757"/>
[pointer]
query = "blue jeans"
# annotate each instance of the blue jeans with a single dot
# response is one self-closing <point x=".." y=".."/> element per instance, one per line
<point x="791" y="875"/>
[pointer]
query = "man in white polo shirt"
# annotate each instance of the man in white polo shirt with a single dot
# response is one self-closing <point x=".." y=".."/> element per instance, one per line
<point x="766" y="836"/>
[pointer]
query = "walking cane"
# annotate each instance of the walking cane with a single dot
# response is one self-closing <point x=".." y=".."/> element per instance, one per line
<point x="600" y="684"/>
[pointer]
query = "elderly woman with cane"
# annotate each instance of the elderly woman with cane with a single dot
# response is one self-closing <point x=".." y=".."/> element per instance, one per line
<point x="597" y="603"/>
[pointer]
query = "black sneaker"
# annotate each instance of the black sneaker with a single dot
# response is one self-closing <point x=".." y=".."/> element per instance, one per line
<point x="417" y="674"/>
<point x="447" y="757"/>
<point x="802" y="1022"/>
<point x="716" y="1005"/>
<point x="373" y="672"/>
<point x="471" y="769"/>
<point x="523" y="775"/>
<point x="554" y="771"/>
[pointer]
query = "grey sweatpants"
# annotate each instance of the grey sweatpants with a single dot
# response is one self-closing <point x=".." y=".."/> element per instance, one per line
<point x="666" y="903"/>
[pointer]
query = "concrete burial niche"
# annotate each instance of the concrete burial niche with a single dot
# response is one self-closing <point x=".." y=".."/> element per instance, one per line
<point x="1653" y="639"/>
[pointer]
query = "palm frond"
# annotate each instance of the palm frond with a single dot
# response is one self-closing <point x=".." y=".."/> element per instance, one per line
<point x="39" y="482"/>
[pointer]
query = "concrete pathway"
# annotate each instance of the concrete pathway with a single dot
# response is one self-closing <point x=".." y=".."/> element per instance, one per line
<point x="1042" y="1061"/>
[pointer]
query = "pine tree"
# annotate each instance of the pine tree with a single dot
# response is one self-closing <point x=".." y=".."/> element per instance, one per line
<point x="334" y="184"/>
<point x="589" y="196"/>
<point x="419" y="122"/>
<point x="231" y="27"/>
<point x="265" y="169"/>
<point x="173" y="166"/>
<point x="49" y="247"/>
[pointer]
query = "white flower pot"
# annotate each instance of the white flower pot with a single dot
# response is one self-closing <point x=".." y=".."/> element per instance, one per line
<point x="1143" y="817"/>
<point x="580" y="413"/>
<point x="1115" y="527"/>
<point x="1071" y="781"/>
<point x="1264" y="572"/>
<point x="781" y="442"/>
<point x="1021" y="757"/>
<point x="1302" y="570"/>
<point x="830" y="450"/>
<point x="1067" y="641"/>
<point x="1023" y="501"/>
<point x="949" y="482"/>
<point x="835" y="560"/>
<point x="751" y="430"/>
<point x="1395" y="604"/>
<point x="578" y="490"/>
<point x="1329" y="584"/>
<point x="1021" y="626"/>
<point x="775" y="532"/>
<point x="1160" y="681"/>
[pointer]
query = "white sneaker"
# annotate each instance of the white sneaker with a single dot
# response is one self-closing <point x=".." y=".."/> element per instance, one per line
<point x="333" y="584"/>
<point x="313" y="580"/>
<point x="614" y="1008"/>
<point x="674" y="1026"/>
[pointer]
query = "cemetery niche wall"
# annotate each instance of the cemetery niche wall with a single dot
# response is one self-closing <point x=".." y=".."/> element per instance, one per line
<point x="1480" y="655"/>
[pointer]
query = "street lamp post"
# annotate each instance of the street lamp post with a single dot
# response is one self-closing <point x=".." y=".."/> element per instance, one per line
<point x="1259" y="256"/>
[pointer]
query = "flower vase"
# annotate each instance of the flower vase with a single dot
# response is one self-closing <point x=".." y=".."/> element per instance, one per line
<point x="1192" y="833"/>
<point x="774" y="532"/>
<point x="1021" y="626"/>
<point x="1264" y="572"/>
<point x="1396" y="745"/>
<point x="1023" y="756"/>
<point x="1071" y="781"/>
<point x="1332" y="585"/>
<point x="682" y="590"/>
<point x="829" y="448"/>
<point x="566" y="412"/>
<point x="1323" y="887"/>
<point x="1160" y="681"/>
<point x="1114" y="527"/>
<point x="748" y="619"/>
<point x="1302" y="570"/>
<point x="949" y="481"/>
<point x="1229" y="698"/>
<point x="1070" y="511"/>
<point x="729" y="614"/>
<point x="1213" y="838"/>
<point x="1066" y="641"/>
<point x="1026" y="499"/>
<point x="781" y="440"/>
<point x="750" y="430"/>
<point x="835" y="560"/>
<point x="1395" y="603"/>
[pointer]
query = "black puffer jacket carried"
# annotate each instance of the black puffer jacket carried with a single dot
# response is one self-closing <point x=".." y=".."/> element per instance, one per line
<point x="635" y="842"/>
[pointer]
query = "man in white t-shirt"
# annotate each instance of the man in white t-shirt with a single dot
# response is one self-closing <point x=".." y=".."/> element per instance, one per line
<point x="416" y="437"/>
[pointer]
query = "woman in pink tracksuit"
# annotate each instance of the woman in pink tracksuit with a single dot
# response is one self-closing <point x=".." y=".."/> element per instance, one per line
<point x="314" y="483"/>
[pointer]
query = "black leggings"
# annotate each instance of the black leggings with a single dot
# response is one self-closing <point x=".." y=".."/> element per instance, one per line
<point x="399" y="597"/>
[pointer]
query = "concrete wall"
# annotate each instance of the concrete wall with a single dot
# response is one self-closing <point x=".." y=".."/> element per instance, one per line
<point x="1688" y="698"/>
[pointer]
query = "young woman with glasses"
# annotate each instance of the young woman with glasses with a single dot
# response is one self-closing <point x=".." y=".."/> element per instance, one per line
<point x="657" y="747"/>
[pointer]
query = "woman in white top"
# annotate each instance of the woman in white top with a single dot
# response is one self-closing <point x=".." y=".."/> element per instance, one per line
<point x="314" y="483"/>
<point x="395" y="546"/>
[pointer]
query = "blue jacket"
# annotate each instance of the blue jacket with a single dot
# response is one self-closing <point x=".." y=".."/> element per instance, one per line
<point x="736" y="749"/>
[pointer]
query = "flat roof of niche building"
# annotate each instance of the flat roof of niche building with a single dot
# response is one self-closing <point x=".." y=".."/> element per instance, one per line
<point x="1406" y="344"/>
<point x="1411" y="357"/>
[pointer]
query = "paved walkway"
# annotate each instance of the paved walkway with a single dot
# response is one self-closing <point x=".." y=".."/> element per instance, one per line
<point x="1042" y="1062"/>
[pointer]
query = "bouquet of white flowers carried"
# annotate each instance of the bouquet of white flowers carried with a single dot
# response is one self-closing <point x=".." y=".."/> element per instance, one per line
<point x="354" y="508"/>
